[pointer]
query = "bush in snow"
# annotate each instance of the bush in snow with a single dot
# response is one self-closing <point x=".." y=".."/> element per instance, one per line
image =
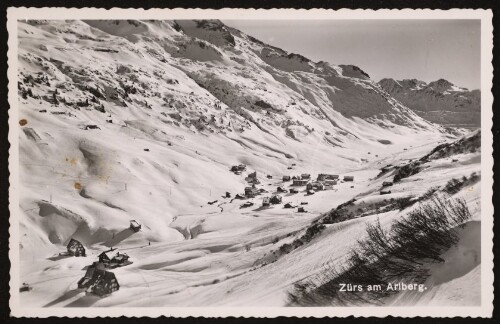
<point x="400" y="253"/>
<point x="407" y="171"/>
<point x="455" y="185"/>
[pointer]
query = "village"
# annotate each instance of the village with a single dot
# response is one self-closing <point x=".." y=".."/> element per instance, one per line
<point x="98" y="279"/>
<point x="286" y="184"/>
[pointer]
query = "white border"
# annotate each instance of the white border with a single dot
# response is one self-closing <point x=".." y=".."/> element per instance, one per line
<point x="486" y="308"/>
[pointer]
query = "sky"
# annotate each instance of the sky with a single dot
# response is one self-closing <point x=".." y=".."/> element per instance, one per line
<point x="426" y="50"/>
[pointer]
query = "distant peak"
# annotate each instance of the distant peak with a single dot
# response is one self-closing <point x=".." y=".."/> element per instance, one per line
<point x="389" y="83"/>
<point x="354" y="71"/>
<point x="441" y="85"/>
<point x="441" y="82"/>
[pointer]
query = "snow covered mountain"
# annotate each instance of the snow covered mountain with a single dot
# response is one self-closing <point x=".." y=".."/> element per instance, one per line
<point x="439" y="101"/>
<point x="142" y="120"/>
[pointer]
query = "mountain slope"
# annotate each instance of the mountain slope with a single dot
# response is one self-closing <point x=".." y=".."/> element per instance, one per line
<point x="174" y="104"/>
<point x="440" y="101"/>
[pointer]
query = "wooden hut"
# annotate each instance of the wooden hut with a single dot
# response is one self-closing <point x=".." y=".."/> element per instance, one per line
<point x="135" y="226"/>
<point x="348" y="178"/>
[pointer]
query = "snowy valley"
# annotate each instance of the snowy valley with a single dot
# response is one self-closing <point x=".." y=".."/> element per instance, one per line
<point x="143" y="121"/>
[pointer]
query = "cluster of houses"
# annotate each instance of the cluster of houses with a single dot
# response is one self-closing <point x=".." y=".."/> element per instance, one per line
<point x="323" y="181"/>
<point x="97" y="279"/>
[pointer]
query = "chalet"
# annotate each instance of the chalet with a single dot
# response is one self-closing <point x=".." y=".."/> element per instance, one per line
<point x="228" y="194"/>
<point x="323" y="176"/>
<point x="275" y="199"/>
<point x="252" y="178"/>
<point x="252" y="175"/>
<point x="281" y="189"/>
<point x="75" y="248"/>
<point x="294" y="178"/>
<point x="293" y="190"/>
<point x="269" y="176"/>
<point x="238" y="168"/>
<point x="288" y="205"/>
<point x="266" y="201"/>
<point x="118" y="260"/>
<point x="385" y="192"/>
<point x="104" y="257"/>
<point x="238" y="196"/>
<point x="104" y="285"/>
<point x="301" y="210"/>
<point x="305" y="176"/>
<point x="317" y="186"/>
<point x="134" y="226"/>
<point x="300" y="182"/>
<point x="93" y="272"/>
<point x="387" y="184"/>
<point x="348" y="178"/>
<point x="328" y="184"/>
<point x="286" y="178"/>
<point x="310" y="192"/>
<point x="87" y="127"/>
<point x="251" y="191"/>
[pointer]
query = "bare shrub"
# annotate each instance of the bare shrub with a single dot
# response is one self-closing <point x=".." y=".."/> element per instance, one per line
<point x="455" y="185"/>
<point x="407" y="171"/>
<point x="401" y="253"/>
<point x="404" y="202"/>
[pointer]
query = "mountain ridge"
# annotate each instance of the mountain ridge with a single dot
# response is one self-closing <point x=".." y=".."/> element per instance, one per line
<point x="438" y="101"/>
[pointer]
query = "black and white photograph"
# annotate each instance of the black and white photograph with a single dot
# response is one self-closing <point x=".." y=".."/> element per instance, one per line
<point x="226" y="162"/>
